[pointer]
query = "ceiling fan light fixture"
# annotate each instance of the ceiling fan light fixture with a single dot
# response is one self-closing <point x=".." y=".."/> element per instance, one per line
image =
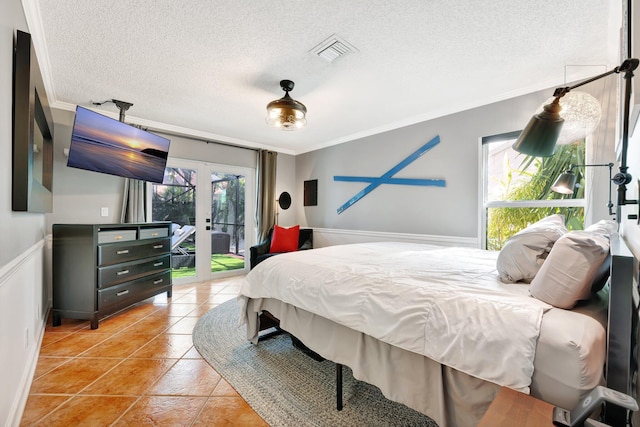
<point x="286" y="113"/>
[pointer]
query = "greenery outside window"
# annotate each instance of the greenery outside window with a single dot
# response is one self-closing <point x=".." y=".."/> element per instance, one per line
<point x="174" y="200"/>
<point x="517" y="188"/>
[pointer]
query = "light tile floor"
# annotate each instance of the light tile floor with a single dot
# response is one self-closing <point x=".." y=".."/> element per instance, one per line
<point x="139" y="368"/>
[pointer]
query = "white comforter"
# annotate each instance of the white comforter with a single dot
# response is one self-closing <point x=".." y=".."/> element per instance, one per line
<point x="444" y="303"/>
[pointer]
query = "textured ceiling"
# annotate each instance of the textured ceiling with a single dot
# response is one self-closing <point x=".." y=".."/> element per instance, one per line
<point x="208" y="67"/>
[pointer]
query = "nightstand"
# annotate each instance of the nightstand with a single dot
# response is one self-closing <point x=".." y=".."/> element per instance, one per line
<point x="512" y="408"/>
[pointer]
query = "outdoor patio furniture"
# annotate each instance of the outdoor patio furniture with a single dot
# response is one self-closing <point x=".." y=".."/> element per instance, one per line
<point x="179" y="236"/>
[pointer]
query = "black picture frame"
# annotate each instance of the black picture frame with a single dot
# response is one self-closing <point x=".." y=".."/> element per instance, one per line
<point x="32" y="156"/>
<point x="311" y="192"/>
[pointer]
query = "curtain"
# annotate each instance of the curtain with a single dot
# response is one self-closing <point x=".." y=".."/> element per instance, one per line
<point x="266" y="203"/>
<point x="133" y="206"/>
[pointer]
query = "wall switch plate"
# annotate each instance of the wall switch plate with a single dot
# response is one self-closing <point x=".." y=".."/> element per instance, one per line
<point x="104" y="212"/>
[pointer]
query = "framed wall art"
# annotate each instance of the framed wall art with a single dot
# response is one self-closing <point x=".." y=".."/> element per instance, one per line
<point x="32" y="163"/>
<point x="311" y="192"/>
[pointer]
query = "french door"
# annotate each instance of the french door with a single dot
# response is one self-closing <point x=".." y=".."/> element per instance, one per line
<point x="211" y="208"/>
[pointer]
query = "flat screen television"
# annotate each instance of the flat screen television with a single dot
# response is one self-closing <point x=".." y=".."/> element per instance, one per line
<point x="102" y="144"/>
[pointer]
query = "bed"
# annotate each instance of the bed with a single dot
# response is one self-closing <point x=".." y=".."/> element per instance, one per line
<point x="395" y="312"/>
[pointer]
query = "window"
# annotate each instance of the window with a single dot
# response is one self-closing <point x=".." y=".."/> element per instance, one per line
<point x="517" y="188"/>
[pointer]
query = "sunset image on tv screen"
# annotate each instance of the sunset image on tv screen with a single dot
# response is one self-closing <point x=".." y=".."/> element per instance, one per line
<point x="102" y="144"/>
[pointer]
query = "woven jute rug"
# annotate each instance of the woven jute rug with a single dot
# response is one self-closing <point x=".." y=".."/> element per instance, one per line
<point x="285" y="386"/>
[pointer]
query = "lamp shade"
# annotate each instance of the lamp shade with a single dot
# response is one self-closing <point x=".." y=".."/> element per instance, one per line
<point x="565" y="183"/>
<point x="286" y="113"/>
<point x="539" y="137"/>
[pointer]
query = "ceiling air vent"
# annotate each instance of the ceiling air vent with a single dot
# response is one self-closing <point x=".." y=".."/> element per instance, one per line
<point x="333" y="48"/>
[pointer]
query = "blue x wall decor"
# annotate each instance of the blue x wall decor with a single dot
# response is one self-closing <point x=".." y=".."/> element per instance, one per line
<point x="375" y="182"/>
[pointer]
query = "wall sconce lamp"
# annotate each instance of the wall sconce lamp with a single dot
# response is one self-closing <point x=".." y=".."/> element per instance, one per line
<point x="566" y="182"/>
<point x="539" y="137"/>
<point x="286" y="113"/>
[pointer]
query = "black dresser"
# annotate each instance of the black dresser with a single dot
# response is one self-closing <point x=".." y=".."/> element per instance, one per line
<point x="101" y="269"/>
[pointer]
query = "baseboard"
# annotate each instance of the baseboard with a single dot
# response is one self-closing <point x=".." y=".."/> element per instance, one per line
<point x="329" y="237"/>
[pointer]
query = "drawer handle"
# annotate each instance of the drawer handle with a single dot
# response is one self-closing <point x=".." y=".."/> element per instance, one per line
<point x="154" y="234"/>
<point x="157" y="246"/>
<point x="158" y="264"/>
<point x="125" y="251"/>
<point x="118" y="237"/>
<point x="155" y="282"/>
<point x="119" y="294"/>
<point x="120" y="273"/>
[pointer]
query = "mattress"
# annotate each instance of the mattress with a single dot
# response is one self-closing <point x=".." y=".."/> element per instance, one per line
<point x="566" y="357"/>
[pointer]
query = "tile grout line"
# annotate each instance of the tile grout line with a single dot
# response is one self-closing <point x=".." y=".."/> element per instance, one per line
<point x="212" y="290"/>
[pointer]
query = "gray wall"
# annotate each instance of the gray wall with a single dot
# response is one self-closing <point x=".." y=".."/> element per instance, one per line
<point x="23" y="270"/>
<point x="78" y="195"/>
<point x="18" y="230"/>
<point x="285" y="181"/>
<point x="450" y="211"/>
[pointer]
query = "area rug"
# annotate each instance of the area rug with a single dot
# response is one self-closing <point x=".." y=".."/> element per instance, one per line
<point x="285" y="386"/>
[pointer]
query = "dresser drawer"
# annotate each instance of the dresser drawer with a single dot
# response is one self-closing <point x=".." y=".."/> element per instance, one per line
<point x="153" y="233"/>
<point x="98" y="269"/>
<point x="115" y="253"/>
<point x="111" y="236"/>
<point x="135" y="290"/>
<point x="114" y="274"/>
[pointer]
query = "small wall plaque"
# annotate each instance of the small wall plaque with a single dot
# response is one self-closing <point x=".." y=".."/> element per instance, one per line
<point x="311" y="192"/>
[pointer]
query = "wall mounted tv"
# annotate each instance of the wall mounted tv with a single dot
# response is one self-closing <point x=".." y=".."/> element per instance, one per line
<point x="102" y="144"/>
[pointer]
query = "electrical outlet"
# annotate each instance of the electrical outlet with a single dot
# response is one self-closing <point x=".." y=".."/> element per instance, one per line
<point x="104" y="211"/>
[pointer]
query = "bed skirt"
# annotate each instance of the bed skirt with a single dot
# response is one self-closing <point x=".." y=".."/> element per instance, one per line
<point x="449" y="397"/>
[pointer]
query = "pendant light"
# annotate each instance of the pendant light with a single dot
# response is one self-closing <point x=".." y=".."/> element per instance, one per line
<point x="286" y="113"/>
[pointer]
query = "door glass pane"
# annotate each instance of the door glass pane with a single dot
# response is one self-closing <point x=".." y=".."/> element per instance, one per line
<point x="227" y="221"/>
<point x="175" y="200"/>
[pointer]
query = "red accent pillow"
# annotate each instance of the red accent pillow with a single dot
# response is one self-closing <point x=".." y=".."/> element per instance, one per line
<point x="284" y="239"/>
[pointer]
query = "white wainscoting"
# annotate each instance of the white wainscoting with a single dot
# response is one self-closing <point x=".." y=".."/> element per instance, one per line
<point x="24" y="304"/>
<point x="329" y="237"/>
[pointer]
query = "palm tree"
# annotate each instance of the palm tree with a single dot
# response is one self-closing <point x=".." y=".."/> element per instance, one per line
<point x="504" y="222"/>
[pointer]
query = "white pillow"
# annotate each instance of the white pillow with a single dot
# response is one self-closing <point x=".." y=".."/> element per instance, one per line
<point x="523" y="254"/>
<point x="573" y="265"/>
<point x="606" y="227"/>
